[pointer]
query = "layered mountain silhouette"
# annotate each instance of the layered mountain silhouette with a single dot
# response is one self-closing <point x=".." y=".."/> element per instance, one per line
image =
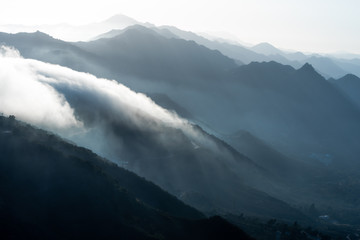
<point x="299" y="101"/>
<point x="331" y="66"/>
<point x="283" y="136"/>
<point x="143" y="52"/>
<point x="328" y="66"/>
<point x="349" y="65"/>
<point x="130" y="53"/>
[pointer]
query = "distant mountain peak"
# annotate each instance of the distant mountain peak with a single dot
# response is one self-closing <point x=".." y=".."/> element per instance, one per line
<point x="266" y="48"/>
<point x="37" y="34"/>
<point x="41" y="33"/>
<point x="265" y="44"/>
<point x="133" y="29"/>
<point x="139" y="29"/>
<point x="271" y="65"/>
<point x="307" y="67"/>
<point x="350" y="77"/>
<point x="307" y="70"/>
<point x="120" y="19"/>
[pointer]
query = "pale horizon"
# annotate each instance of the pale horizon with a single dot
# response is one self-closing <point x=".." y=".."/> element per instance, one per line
<point x="322" y="27"/>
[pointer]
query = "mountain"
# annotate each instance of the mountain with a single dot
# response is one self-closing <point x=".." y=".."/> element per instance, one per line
<point x="234" y="51"/>
<point x="282" y="102"/>
<point x="266" y="49"/>
<point x="43" y="47"/>
<point x="53" y="189"/>
<point x="349" y="65"/>
<point x="326" y="66"/>
<point x="282" y="110"/>
<point x="119" y="21"/>
<point x="115" y="32"/>
<point x="263" y="154"/>
<point x="296" y="56"/>
<point x="350" y="85"/>
<point x="330" y="67"/>
<point x="143" y="52"/>
<point x="166" y="102"/>
<point x="75" y="33"/>
<point x="115" y="25"/>
<point x="139" y="51"/>
<point x="237" y="52"/>
<point x="345" y="55"/>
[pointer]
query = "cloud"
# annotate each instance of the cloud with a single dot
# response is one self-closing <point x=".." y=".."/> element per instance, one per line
<point x="21" y="94"/>
<point x="81" y="106"/>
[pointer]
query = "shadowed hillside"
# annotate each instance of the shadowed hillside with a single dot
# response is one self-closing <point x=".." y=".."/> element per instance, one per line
<point x="53" y="189"/>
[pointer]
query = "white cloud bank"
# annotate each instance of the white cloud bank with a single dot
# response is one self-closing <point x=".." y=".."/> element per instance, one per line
<point x="38" y="93"/>
<point x="23" y="95"/>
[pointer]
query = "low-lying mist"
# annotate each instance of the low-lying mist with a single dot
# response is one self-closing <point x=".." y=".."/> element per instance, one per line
<point x="73" y="103"/>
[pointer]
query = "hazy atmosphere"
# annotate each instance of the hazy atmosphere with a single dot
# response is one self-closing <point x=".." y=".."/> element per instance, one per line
<point x="172" y="120"/>
<point x="322" y="26"/>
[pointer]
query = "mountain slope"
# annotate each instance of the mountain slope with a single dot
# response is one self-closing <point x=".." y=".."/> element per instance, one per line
<point x="166" y="102"/>
<point x="139" y="51"/>
<point x="326" y="66"/>
<point x="143" y="52"/>
<point x="115" y="32"/>
<point x="237" y="52"/>
<point x="53" y="189"/>
<point x="350" y="85"/>
<point x="295" y="103"/>
<point x="351" y="66"/>
<point x="43" y="47"/>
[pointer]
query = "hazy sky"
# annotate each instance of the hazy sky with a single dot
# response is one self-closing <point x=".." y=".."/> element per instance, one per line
<point x="306" y="25"/>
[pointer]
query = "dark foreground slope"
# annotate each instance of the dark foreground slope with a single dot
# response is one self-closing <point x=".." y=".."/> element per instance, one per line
<point x="51" y="189"/>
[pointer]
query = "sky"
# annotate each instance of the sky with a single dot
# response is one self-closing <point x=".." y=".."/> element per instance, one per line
<point x="321" y="26"/>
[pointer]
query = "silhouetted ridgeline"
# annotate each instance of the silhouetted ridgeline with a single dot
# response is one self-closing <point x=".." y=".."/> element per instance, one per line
<point x="51" y="189"/>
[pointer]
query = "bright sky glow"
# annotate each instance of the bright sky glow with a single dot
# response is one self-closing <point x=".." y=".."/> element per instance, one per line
<point x="307" y="25"/>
